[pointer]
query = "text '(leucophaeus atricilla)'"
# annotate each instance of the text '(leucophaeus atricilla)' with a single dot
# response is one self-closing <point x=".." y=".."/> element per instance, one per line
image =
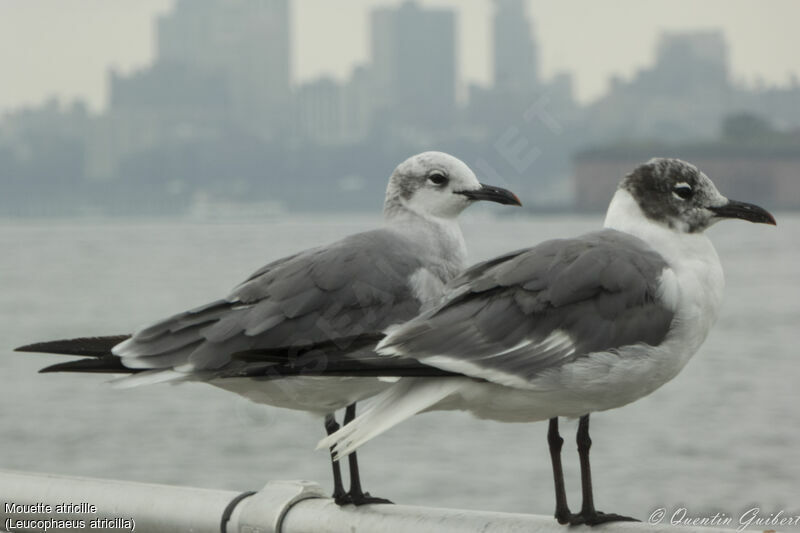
<point x="571" y="326"/>
<point x="362" y="283"/>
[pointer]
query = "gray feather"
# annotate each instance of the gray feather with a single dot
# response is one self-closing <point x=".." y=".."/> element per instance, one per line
<point x="357" y="285"/>
<point x="539" y="308"/>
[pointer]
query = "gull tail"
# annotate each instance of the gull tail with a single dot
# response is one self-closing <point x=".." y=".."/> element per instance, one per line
<point x="403" y="400"/>
<point x="97" y="351"/>
<point x="108" y="364"/>
<point x="88" y="346"/>
<point x="99" y="359"/>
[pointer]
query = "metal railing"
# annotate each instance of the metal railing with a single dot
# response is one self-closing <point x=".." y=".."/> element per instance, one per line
<point x="45" y="502"/>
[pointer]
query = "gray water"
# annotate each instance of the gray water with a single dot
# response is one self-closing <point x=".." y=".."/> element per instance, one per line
<point x="724" y="436"/>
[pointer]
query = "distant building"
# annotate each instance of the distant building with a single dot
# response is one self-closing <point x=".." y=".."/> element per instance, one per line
<point x="214" y="115"/>
<point x="220" y="65"/>
<point x="42" y="159"/>
<point x="517" y="90"/>
<point x="331" y="113"/>
<point x="161" y="103"/>
<point x="319" y="112"/>
<point x="176" y="88"/>
<point x="701" y="57"/>
<point x="51" y="119"/>
<point x="683" y="95"/>
<point x="780" y="104"/>
<point x="516" y="62"/>
<point x="360" y="100"/>
<point x="247" y="41"/>
<point x="414" y="65"/>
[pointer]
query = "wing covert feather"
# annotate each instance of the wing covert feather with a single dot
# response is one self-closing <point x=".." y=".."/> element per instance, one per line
<point x="535" y="309"/>
<point x="356" y="285"/>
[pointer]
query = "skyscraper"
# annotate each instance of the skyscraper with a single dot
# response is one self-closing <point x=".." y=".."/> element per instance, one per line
<point x="245" y="40"/>
<point x="516" y="65"/>
<point x="414" y="64"/>
<point x="319" y="110"/>
<point x="699" y="57"/>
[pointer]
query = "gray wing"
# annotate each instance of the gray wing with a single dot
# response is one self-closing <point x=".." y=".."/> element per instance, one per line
<point x="356" y="285"/>
<point x="510" y="318"/>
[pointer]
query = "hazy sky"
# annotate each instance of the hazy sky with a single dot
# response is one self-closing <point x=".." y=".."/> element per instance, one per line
<point x="63" y="47"/>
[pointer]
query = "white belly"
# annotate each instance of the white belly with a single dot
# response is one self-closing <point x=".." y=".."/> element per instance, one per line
<point x="595" y="382"/>
<point x="320" y="395"/>
<point x="598" y="382"/>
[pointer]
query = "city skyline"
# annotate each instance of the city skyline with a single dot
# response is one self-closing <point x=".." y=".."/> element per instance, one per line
<point x="65" y="61"/>
<point x="215" y="119"/>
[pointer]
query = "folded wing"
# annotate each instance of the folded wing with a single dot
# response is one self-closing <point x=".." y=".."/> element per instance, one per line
<point x="510" y="319"/>
<point x="342" y="291"/>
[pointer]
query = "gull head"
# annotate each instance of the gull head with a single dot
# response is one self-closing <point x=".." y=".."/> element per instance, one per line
<point x="440" y="185"/>
<point x="676" y="194"/>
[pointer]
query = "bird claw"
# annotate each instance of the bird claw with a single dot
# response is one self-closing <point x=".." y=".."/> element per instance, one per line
<point x="357" y="499"/>
<point x="341" y="498"/>
<point x="365" y="499"/>
<point x="595" y="518"/>
<point x="564" y="518"/>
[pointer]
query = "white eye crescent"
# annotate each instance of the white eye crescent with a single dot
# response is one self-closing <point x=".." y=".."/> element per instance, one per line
<point x="682" y="191"/>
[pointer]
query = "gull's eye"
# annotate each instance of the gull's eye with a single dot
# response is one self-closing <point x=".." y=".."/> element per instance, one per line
<point x="683" y="191"/>
<point x="437" y="178"/>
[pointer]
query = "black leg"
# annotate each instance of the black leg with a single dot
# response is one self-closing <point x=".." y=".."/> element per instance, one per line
<point x="339" y="495"/>
<point x="584" y="442"/>
<point x="589" y="515"/>
<point x="357" y="496"/>
<point x="556" y="442"/>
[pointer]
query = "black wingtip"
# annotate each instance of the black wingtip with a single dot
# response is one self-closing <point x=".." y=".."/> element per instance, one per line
<point x="103" y="365"/>
<point x="54" y="368"/>
<point x="37" y="347"/>
<point x="87" y="346"/>
<point x="290" y="354"/>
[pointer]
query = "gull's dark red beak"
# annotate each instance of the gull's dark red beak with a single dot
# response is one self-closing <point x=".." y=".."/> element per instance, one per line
<point x="745" y="211"/>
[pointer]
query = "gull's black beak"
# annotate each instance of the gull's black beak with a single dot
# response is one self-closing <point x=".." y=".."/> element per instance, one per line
<point x="492" y="194"/>
<point x="745" y="211"/>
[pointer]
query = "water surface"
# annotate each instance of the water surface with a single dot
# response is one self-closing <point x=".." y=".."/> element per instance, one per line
<point x="722" y="437"/>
